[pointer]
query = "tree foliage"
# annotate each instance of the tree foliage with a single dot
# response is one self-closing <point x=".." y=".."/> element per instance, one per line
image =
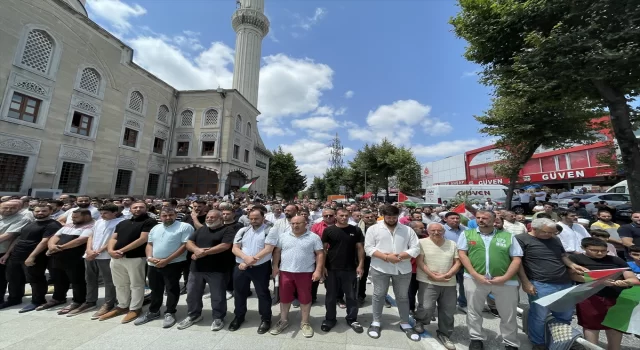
<point x="285" y="177"/>
<point x="558" y="52"/>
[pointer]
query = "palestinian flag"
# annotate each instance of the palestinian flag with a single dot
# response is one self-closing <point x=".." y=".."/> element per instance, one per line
<point x="567" y="299"/>
<point x="248" y="185"/>
<point x="625" y="314"/>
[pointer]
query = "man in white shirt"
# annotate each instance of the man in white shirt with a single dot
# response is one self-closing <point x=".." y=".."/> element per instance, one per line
<point x="82" y="202"/>
<point x="275" y="214"/>
<point x="283" y="225"/>
<point x="525" y="200"/>
<point x="572" y="232"/>
<point x="391" y="247"/>
<point x="541" y="196"/>
<point x="511" y="225"/>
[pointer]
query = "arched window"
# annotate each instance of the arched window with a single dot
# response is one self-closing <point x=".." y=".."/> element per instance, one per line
<point x="38" y="50"/>
<point x="136" y="101"/>
<point x="163" y="114"/>
<point x="238" y="123"/>
<point x="247" y="131"/>
<point x="186" y="118"/>
<point x="211" y="117"/>
<point x="90" y="81"/>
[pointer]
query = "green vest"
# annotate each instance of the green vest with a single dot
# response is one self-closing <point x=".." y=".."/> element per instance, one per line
<point x="499" y="258"/>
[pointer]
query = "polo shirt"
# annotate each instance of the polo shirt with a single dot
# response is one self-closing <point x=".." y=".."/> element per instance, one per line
<point x="102" y="232"/>
<point x="167" y="239"/>
<point x="629" y="230"/>
<point x="31" y="235"/>
<point x="298" y="254"/>
<point x="252" y="241"/>
<point x="206" y="237"/>
<point x="130" y="230"/>
<point x="11" y="224"/>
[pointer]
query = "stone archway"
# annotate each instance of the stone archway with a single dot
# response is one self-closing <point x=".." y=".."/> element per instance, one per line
<point x="235" y="180"/>
<point x="196" y="180"/>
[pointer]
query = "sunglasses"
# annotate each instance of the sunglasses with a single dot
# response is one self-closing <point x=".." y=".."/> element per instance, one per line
<point x="327" y="216"/>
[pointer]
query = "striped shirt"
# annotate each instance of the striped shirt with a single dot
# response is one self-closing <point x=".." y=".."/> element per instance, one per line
<point x="298" y="253"/>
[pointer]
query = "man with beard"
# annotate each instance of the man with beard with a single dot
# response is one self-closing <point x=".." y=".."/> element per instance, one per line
<point x="344" y="252"/>
<point x="253" y="247"/>
<point x="605" y="223"/>
<point x="66" y="249"/>
<point x="391" y="247"/>
<point x="211" y="256"/>
<point x="11" y="222"/>
<point x="229" y="220"/>
<point x="166" y="252"/>
<point x="127" y="250"/>
<point x="56" y="208"/>
<point x="27" y="260"/>
<point x="284" y="225"/>
<point x="198" y="214"/>
<point x="368" y="220"/>
<point x="82" y="202"/>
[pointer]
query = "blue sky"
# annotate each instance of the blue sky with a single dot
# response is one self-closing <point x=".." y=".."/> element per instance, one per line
<point x="363" y="69"/>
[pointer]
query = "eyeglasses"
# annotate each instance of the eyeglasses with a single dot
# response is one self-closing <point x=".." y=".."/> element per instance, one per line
<point x="597" y="251"/>
<point x="327" y="216"/>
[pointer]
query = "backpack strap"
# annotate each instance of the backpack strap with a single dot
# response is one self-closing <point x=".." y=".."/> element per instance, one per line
<point x="244" y="230"/>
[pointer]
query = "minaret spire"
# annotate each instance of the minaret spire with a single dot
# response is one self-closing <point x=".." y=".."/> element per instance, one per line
<point x="251" y="26"/>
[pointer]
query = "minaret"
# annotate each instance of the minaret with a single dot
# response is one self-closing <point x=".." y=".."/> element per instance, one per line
<point x="251" y="26"/>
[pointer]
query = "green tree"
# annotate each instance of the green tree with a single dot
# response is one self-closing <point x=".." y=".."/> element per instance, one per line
<point x="582" y="50"/>
<point x="317" y="188"/>
<point x="285" y="178"/>
<point x="523" y="125"/>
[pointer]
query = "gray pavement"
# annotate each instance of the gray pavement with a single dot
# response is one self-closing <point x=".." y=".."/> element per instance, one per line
<point x="46" y="330"/>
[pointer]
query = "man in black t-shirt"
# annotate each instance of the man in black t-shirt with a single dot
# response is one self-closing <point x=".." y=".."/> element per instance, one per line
<point x="27" y="260"/>
<point x="128" y="262"/>
<point x="229" y="220"/>
<point x="344" y="263"/>
<point x="630" y="233"/>
<point x="211" y="263"/>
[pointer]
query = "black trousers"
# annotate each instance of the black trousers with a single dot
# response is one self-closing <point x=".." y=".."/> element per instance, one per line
<point x="362" y="288"/>
<point x="165" y="279"/>
<point x="341" y="281"/>
<point x="413" y="292"/>
<point x="260" y="275"/>
<point x="67" y="272"/>
<point x="3" y="280"/>
<point x="186" y="265"/>
<point x="18" y="274"/>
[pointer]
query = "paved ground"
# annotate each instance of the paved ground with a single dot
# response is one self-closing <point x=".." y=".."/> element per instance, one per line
<point x="46" y="330"/>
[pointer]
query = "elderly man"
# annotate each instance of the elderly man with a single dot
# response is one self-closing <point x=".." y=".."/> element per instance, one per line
<point x="491" y="258"/>
<point x="544" y="272"/>
<point x="11" y="224"/>
<point x="253" y="247"/>
<point x="438" y="264"/>
<point x="298" y="259"/>
<point x="212" y="260"/>
<point x="391" y="247"/>
<point x="166" y="253"/>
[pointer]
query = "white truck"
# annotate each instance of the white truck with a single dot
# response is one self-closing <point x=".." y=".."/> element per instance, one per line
<point x="480" y="193"/>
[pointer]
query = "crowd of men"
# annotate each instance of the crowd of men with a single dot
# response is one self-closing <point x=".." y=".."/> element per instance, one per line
<point x="434" y="264"/>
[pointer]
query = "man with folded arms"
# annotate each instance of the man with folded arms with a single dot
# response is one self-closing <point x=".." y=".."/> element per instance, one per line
<point x="128" y="261"/>
<point x="166" y="253"/>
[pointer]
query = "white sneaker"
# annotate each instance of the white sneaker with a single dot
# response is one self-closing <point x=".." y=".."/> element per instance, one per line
<point x="229" y="295"/>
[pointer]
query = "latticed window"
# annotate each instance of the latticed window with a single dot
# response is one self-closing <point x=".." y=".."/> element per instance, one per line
<point x="238" y="123"/>
<point x="152" y="184"/>
<point x="247" y="131"/>
<point x="38" y="51"/>
<point x="163" y="114"/>
<point x="123" y="182"/>
<point x="90" y="80"/>
<point x="211" y="117"/>
<point x="12" y="169"/>
<point x="186" y="118"/>
<point x="70" y="177"/>
<point x="135" y="101"/>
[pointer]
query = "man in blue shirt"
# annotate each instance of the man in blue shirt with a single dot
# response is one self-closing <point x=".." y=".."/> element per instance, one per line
<point x="452" y="230"/>
<point x="166" y="255"/>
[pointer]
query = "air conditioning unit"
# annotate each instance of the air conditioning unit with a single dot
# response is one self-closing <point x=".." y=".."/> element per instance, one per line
<point x="46" y="193"/>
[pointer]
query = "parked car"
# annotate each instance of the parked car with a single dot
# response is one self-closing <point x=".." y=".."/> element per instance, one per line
<point x="516" y="206"/>
<point x="623" y="213"/>
<point x="564" y="202"/>
<point x="612" y="199"/>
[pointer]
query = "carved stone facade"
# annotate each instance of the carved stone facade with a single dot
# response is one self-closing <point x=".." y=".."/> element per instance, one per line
<point x="109" y="127"/>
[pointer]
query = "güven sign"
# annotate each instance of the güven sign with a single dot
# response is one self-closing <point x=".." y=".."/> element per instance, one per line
<point x="562" y="175"/>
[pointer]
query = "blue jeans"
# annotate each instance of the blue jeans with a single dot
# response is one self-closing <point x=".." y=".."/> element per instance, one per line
<point x="538" y="314"/>
<point x="462" y="299"/>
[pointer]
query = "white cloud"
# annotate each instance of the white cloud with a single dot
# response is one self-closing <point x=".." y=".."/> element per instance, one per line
<point x="307" y="23"/>
<point x="448" y="148"/>
<point x="349" y="94"/>
<point x="189" y="40"/>
<point x="397" y="122"/>
<point x="470" y="74"/>
<point x="116" y="13"/>
<point x="312" y="157"/>
<point x="325" y="123"/>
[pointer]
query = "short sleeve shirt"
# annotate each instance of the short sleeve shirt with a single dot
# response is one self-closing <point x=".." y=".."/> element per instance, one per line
<point x="514" y="250"/>
<point x="298" y="253"/>
<point x="130" y="230"/>
<point x="607" y="262"/>
<point x="630" y="231"/>
<point x="167" y="239"/>
<point x="343" y="251"/>
<point x="438" y="259"/>
<point x="12" y="224"/>
<point x="68" y="233"/>
<point x="31" y="235"/>
<point x="252" y="241"/>
<point x="206" y="237"/>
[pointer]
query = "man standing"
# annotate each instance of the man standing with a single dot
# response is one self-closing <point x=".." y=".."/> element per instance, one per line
<point x="275" y="214"/>
<point x="605" y="223"/>
<point x="452" y="231"/>
<point x="298" y="259"/>
<point x="572" y="232"/>
<point x="66" y="249"/>
<point x="229" y="220"/>
<point x="27" y="260"/>
<point x="544" y="272"/>
<point x="127" y="249"/>
<point x="368" y="220"/>
<point x="97" y="262"/>
<point x="629" y="233"/>
<point x="165" y="254"/>
<point x="391" y="247"/>
<point x="437" y="263"/>
<point x="198" y="214"/>
<point x="511" y="225"/>
<point x="211" y="262"/>
<point x="548" y="209"/>
<point x="56" y="208"/>
<point x="10" y="225"/>
<point x="253" y="247"/>
<point x="82" y="202"/>
<point x="344" y="251"/>
<point x="491" y="259"/>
